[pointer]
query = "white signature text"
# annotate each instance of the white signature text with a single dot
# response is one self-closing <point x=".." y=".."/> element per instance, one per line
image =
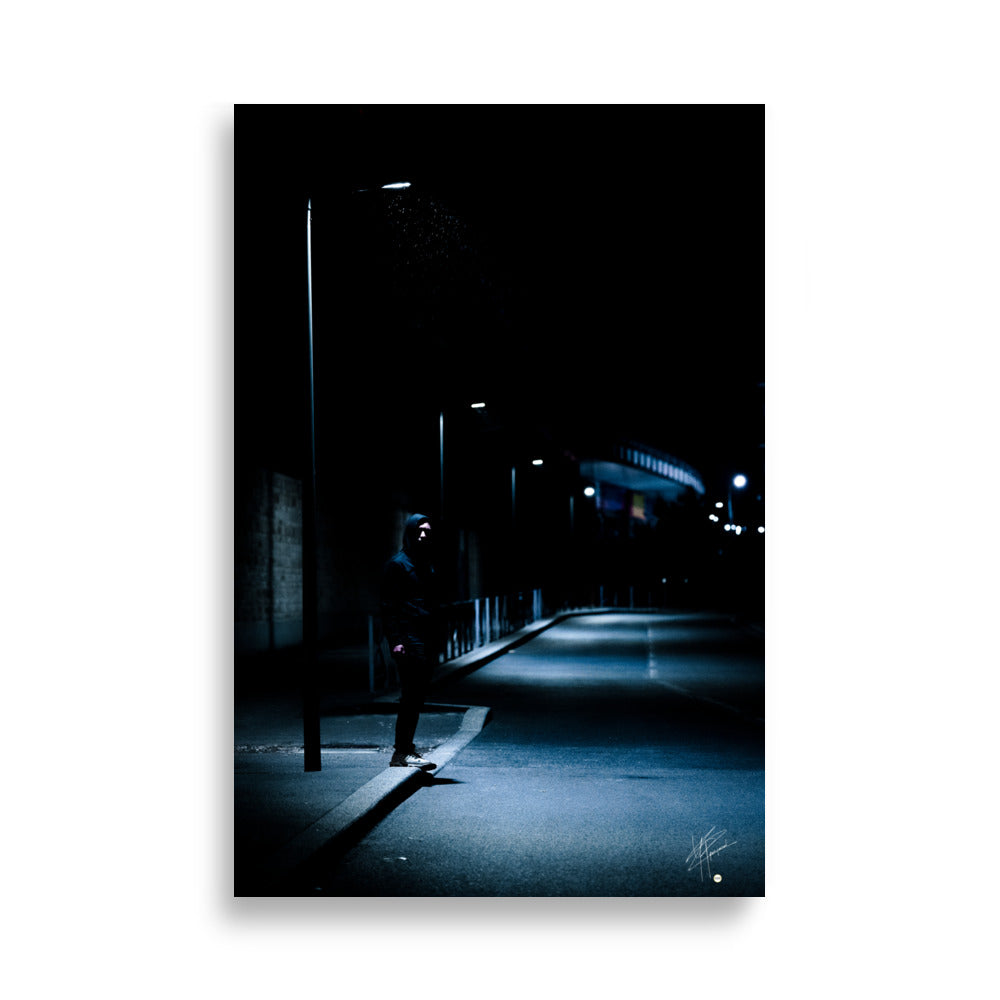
<point x="702" y="853"/>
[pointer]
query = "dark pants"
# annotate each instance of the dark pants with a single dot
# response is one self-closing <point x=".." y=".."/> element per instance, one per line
<point x="414" y="668"/>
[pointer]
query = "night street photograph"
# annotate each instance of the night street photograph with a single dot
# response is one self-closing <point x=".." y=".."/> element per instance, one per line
<point x="499" y="501"/>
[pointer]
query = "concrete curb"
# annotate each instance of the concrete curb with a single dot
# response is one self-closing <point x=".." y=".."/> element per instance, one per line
<point x="479" y="657"/>
<point x="341" y="826"/>
<point x="346" y="823"/>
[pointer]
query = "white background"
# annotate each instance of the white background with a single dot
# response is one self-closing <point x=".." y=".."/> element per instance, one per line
<point x="116" y="395"/>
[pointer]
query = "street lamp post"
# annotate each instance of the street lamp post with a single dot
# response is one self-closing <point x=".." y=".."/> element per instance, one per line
<point x="450" y="546"/>
<point x="739" y="481"/>
<point x="513" y="490"/>
<point x="472" y="406"/>
<point x="310" y="588"/>
<point x="310" y="679"/>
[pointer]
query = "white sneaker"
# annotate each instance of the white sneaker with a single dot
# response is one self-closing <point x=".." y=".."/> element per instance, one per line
<point x="411" y="759"/>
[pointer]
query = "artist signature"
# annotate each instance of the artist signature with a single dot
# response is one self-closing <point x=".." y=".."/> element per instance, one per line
<point x="702" y="853"/>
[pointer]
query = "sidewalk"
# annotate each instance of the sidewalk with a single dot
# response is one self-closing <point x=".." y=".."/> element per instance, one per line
<point x="283" y="815"/>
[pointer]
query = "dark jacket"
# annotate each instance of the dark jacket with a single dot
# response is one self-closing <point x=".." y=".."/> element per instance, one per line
<point x="407" y="593"/>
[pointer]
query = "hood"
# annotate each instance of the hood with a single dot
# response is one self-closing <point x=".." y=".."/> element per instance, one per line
<point x="413" y="522"/>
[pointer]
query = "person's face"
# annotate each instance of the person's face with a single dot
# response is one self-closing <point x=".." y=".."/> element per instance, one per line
<point x="424" y="534"/>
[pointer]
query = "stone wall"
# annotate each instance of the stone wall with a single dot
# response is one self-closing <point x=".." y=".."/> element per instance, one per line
<point x="268" y="547"/>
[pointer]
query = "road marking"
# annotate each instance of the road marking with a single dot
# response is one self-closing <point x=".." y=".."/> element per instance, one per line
<point x="654" y="676"/>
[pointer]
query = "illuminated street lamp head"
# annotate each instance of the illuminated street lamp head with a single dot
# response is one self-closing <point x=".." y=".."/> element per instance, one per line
<point x="395" y="186"/>
<point x="478" y="406"/>
<point x="589" y="491"/>
<point x="739" y="481"/>
<point x="536" y="461"/>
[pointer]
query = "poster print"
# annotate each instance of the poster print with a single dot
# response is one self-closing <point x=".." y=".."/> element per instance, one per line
<point x="499" y="504"/>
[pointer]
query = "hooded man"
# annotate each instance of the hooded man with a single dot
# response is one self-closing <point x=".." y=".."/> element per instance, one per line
<point x="408" y="623"/>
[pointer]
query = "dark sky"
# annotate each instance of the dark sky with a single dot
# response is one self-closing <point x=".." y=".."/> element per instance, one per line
<point x="588" y="269"/>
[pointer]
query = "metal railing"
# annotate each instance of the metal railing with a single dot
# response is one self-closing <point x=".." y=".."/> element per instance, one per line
<point x="465" y="626"/>
<point x="469" y="625"/>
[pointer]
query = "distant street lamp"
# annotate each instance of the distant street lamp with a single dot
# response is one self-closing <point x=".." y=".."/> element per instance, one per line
<point x="481" y="407"/>
<point x="513" y="490"/>
<point x="738" y="481"/>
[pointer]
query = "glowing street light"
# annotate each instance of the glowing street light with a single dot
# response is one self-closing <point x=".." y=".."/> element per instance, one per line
<point x="589" y="491"/>
<point x="395" y="186"/>
<point x="739" y="481"/>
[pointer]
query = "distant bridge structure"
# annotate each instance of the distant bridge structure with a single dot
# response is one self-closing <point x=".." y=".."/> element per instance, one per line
<point x="642" y="471"/>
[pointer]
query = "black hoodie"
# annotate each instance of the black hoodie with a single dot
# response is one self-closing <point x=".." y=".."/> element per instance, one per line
<point x="407" y="591"/>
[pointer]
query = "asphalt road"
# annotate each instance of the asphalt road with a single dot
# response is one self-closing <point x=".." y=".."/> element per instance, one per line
<point x="625" y="757"/>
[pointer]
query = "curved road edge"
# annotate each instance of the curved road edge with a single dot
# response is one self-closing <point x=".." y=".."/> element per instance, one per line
<point x="340" y="828"/>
